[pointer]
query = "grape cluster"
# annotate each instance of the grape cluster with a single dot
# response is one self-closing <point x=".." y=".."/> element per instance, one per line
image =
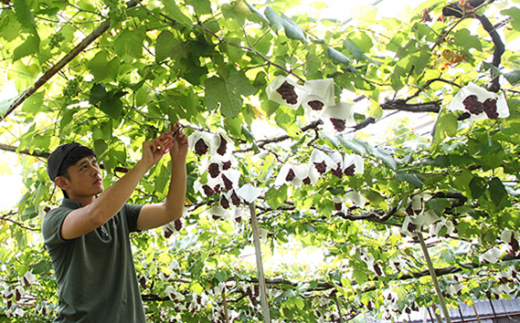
<point x="168" y="232"/>
<point x="473" y="105"/>
<point x="490" y="107"/>
<point x="338" y="172"/>
<point x="409" y="209"/>
<point x="338" y="206"/>
<point x="350" y="171"/>
<point x="378" y="270"/>
<point x="339" y="125"/>
<point x="226" y="165"/>
<point x="56" y="40"/>
<point x="222" y="148"/>
<point x="142" y="282"/>
<point x="321" y="167"/>
<point x="290" y="175"/>
<point x="224" y="202"/>
<point x="253" y="294"/>
<point x="235" y="199"/>
<point x="514" y="244"/>
<point x="200" y="147"/>
<point x="316" y="105"/>
<point x="73" y="88"/>
<point x="178" y="224"/>
<point x="227" y="182"/>
<point x="214" y="170"/>
<point x="287" y="92"/>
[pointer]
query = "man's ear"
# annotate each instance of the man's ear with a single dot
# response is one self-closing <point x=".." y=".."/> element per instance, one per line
<point x="63" y="183"/>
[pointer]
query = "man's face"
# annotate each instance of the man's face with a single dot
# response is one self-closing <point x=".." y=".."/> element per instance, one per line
<point x="84" y="178"/>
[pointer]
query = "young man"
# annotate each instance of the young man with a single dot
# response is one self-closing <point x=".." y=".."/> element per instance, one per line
<point x="87" y="237"/>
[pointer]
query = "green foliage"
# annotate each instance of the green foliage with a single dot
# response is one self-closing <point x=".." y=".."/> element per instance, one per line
<point x="208" y="66"/>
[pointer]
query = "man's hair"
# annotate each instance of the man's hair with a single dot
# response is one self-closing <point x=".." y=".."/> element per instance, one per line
<point x="71" y="159"/>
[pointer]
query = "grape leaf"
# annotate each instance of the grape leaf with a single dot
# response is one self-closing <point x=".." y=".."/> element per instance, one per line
<point x="338" y="56"/>
<point x="129" y="44"/>
<point x="497" y="191"/>
<point x="226" y="93"/>
<point x="24" y="15"/>
<point x="166" y="44"/>
<point x="292" y="29"/>
<point x="173" y="11"/>
<point x="274" y="18"/>
<point x="201" y="7"/>
<point x="410" y="178"/>
<point x="31" y="45"/>
<point x="478" y="186"/>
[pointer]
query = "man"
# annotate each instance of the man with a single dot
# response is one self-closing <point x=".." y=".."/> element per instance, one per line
<point x="87" y="237"/>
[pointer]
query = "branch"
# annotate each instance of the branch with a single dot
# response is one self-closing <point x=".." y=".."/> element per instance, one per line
<point x="430" y="82"/>
<point x="308" y="127"/>
<point x="497" y="54"/>
<point x="100" y="30"/>
<point x="369" y="216"/>
<point x="261" y="143"/>
<point x="468" y="11"/>
<point x="5" y="217"/>
<point x="401" y="105"/>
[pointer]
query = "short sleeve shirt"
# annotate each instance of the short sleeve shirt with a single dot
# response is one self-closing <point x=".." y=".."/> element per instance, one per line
<point x="95" y="273"/>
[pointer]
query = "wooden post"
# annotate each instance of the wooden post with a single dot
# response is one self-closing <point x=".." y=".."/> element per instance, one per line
<point x="226" y="311"/>
<point x="434" y="278"/>
<point x="259" y="264"/>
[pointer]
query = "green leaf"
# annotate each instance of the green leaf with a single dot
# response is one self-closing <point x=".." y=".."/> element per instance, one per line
<point x="274" y="18"/>
<point x="338" y="56"/>
<point x="513" y="77"/>
<point x="497" y="191"/>
<point x="410" y="178"/>
<point x="24" y="15"/>
<point x="478" y="186"/>
<point x="238" y="10"/>
<point x="34" y="103"/>
<point x="100" y="146"/>
<point x="98" y="92"/>
<point x="201" y="7"/>
<point x="226" y="93"/>
<point x="9" y="26"/>
<point x="356" y="52"/>
<point x="465" y="40"/>
<point x="108" y="102"/>
<point x="166" y="44"/>
<point x="30" y="46"/>
<point x="292" y="29"/>
<point x="129" y="44"/>
<point x="112" y="104"/>
<point x="256" y="11"/>
<point x="102" y="69"/>
<point x="173" y="11"/>
<point x="275" y="197"/>
<point x="446" y="125"/>
<point x="514" y="13"/>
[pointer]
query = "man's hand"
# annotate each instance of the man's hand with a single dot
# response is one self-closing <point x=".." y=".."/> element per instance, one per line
<point x="179" y="146"/>
<point x="151" y="154"/>
<point x="155" y="215"/>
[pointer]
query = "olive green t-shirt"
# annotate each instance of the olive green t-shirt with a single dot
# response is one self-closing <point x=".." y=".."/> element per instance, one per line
<point x="95" y="273"/>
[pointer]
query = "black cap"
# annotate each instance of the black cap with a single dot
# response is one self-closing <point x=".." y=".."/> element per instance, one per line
<point x="57" y="158"/>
